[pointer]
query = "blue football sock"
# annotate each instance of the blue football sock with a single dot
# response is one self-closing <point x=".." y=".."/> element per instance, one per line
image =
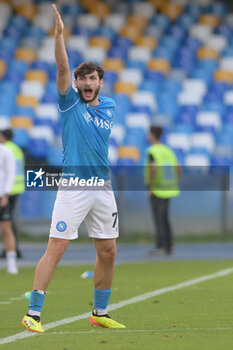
<point x="36" y="301"/>
<point x="101" y="299"/>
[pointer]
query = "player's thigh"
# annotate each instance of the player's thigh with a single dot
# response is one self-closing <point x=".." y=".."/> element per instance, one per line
<point x="102" y="221"/>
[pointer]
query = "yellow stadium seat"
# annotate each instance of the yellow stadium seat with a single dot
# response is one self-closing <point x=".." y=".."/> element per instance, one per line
<point x="207" y="53"/>
<point x="224" y="75"/>
<point x="131" y="32"/>
<point x="37" y="75"/>
<point x="131" y="152"/>
<point x="146" y="41"/>
<point x="159" y="64"/>
<point x="21" y="122"/>
<point x="66" y="32"/>
<point x="171" y="10"/>
<point x="2" y="68"/>
<point x="25" y="54"/>
<point x="100" y="9"/>
<point x="137" y="20"/>
<point x="88" y="4"/>
<point x="158" y="3"/>
<point x="123" y="87"/>
<point x="113" y="64"/>
<point x="27" y="10"/>
<point x="210" y="20"/>
<point x="100" y="41"/>
<point x="26" y="100"/>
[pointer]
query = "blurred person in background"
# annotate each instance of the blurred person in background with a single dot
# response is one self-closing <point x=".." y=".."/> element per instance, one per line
<point x="161" y="177"/>
<point x="7" y="176"/>
<point x="6" y="137"/>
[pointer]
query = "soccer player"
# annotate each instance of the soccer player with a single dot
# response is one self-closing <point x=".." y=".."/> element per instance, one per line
<point x="7" y="177"/>
<point x="86" y="120"/>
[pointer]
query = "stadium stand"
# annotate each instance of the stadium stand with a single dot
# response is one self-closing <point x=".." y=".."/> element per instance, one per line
<point x="166" y="61"/>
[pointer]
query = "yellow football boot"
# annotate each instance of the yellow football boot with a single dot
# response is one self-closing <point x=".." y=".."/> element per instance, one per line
<point x="32" y="325"/>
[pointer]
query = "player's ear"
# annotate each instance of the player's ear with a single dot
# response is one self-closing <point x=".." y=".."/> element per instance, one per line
<point x="101" y="83"/>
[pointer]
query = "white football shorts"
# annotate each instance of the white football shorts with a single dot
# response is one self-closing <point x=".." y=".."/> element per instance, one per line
<point x="97" y="208"/>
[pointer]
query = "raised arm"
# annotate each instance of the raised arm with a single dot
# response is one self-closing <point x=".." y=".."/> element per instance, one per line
<point x="63" y="71"/>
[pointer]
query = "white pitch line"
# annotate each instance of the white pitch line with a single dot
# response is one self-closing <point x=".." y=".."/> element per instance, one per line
<point x="173" y="330"/>
<point x="115" y="306"/>
<point x="5" y="302"/>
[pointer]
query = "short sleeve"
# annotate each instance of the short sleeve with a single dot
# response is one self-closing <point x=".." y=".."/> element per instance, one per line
<point x="151" y="159"/>
<point x="67" y="100"/>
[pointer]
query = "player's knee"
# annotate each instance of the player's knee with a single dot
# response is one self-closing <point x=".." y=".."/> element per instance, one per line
<point x="109" y="253"/>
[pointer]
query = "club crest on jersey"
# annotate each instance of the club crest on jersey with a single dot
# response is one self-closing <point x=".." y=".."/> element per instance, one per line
<point x="109" y="113"/>
<point x="87" y="117"/>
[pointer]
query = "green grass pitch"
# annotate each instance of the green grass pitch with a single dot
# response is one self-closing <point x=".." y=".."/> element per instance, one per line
<point x="195" y="317"/>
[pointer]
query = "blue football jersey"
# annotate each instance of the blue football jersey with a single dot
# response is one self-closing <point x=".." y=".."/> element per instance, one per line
<point x="85" y="134"/>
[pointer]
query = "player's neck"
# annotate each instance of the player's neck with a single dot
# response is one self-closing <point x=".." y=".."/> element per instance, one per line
<point x="94" y="103"/>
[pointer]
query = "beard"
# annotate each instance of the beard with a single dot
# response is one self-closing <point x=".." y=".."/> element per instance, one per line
<point x="89" y="100"/>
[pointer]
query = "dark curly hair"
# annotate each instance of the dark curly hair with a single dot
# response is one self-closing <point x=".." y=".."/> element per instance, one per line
<point x="87" y="68"/>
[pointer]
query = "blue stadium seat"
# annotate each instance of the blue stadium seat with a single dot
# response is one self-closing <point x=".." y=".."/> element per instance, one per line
<point x="154" y="76"/>
<point x="49" y="98"/>
<point x="224" y="29"/>
<point x="6" y="55"/>
<point x="161" y="20"/>
<point x="38" y="148"/>
<point x="194" y="10"/>
<point x="6" y="108"/>
<point x="228" y="51"/>
<point x="207" y="65"/>
<point x="8" y="43"/>
<point x="167" y="104"/>
<point x="177" y="32"/>
<point x="21" y="138"/>
<point x="228" y="115"/>
<point x="170" y="43"/>
<point x="141" y="109"/>
<point x="37" y="64"/>
<point x="123" y="106"/>
<point x="183" y="128"/>
<point x="72" y="9"/>
<point x="186" y="21"/>
<point x="152" y="85"/>
<point x="51" y="88"/>
<point x="86" y="32"/>
<point x="214" y="106"/>
<point x="36" y="32"/>
<point x="219" y="87"/>
<point x="207" y="128"/>
<point x="75" y="57"/>
<point x="217" y="8"/>
<point x="136" y="64"/>
<point x="107" y="32"/>
<point x="203" y="74"/>
<point x="172" y="86"/>
<point x="164" y="52"/>
<point x="110" y="77"/>
<point x="25" y="111"/>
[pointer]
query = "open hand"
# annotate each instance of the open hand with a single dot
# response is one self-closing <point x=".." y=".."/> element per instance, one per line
<point x="59" y="24"/>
